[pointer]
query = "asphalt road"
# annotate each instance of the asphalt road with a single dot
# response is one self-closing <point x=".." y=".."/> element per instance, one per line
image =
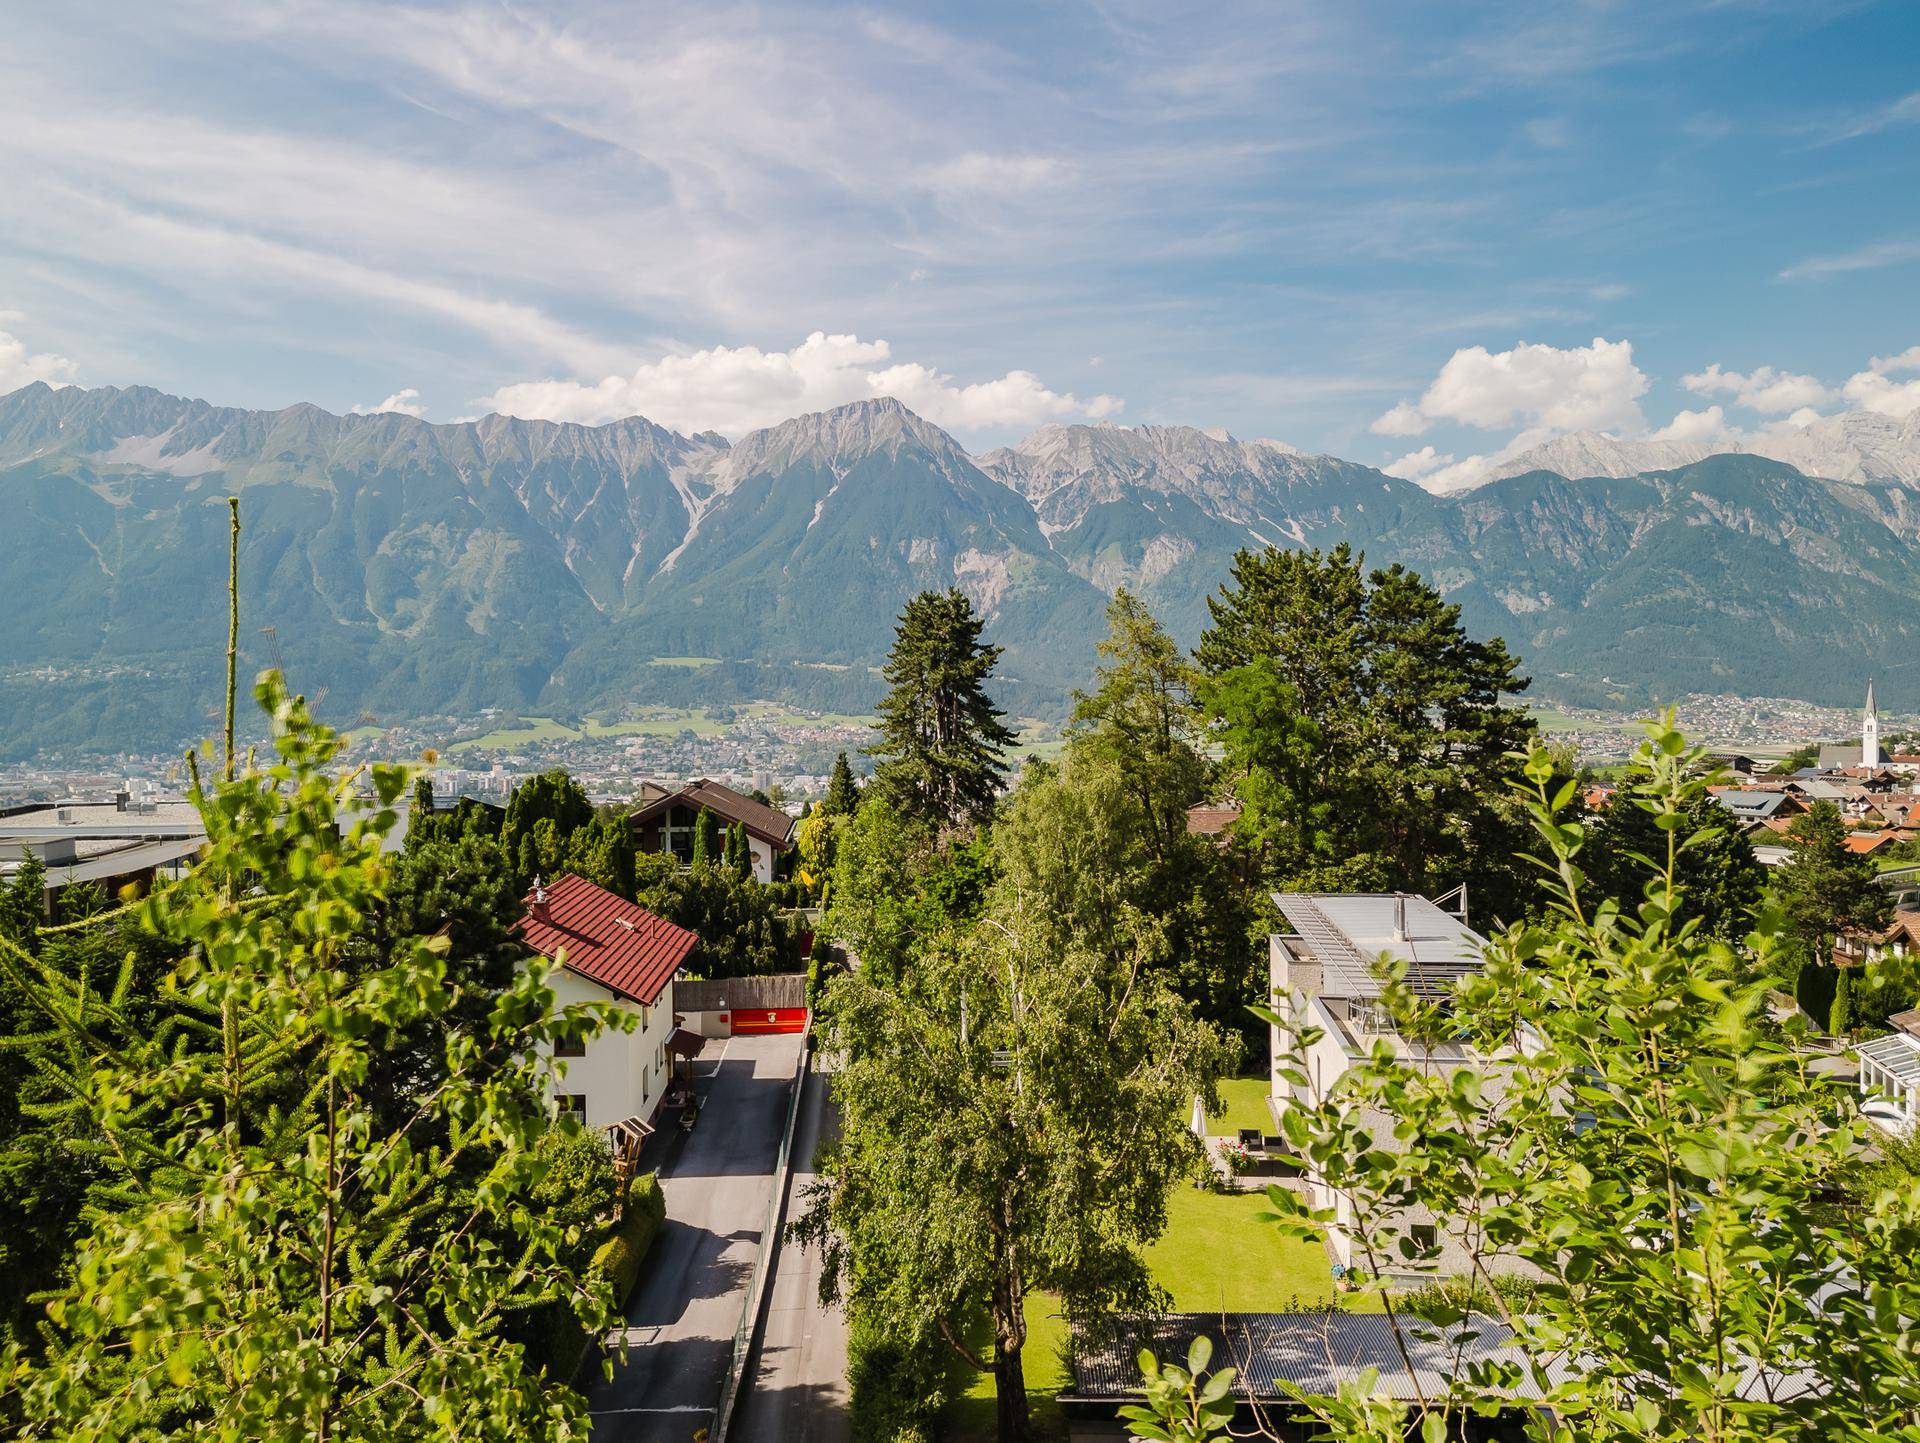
<point x="716" y="1181"/>
<point x="797" y="1378"/>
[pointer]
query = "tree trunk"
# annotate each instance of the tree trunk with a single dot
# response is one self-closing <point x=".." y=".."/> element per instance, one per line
<point x="1010" y="1395"/>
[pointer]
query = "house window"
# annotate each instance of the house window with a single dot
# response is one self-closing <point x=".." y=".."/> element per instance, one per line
<point x="676" y="833"/>
<point x="569" y="1047"/>
<point x="1426" y="1237"/>
<point x="574" y="1104"/>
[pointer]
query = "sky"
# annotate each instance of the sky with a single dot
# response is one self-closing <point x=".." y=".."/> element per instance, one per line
<point x="1414" y="235"/>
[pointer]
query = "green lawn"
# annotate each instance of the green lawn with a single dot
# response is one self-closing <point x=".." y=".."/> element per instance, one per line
<point x="694" y="661"/>
<point x="1244" y="1100"/>
<point x="1216" y="1255"/>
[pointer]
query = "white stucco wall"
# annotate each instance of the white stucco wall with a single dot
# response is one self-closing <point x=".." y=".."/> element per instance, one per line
<point x="622" y="1074"/>
<point x="762" y="854"/>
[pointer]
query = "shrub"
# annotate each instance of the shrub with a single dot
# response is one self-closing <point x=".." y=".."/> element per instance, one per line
<point x="1445" y="1297"/>
<point x="897" y="1387"/>
<point x="579" y="1187"/>
<point x="621" y="1255"/>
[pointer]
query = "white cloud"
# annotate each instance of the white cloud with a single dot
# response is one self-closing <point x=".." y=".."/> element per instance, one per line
<point x="1867" y="258"/>
<point x="1544" y="388"/>
<point x="20" y="368"/>
<point x="1765" y="389"/>
<point x="734" y="389"/>
<point x="1907" y="360"/>
<point x="1415" y="464"/>
<point x="1550" y="132"/>
<point x="1461" y="475"/>
<point x="1871" y="390"/>
<point x="977" y="173"/>
<point x="1403" y="420"/>
<point x="406" y="403"/>
<point x="1707" y="428"/>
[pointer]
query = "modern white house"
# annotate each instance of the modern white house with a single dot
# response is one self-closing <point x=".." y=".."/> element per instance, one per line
<point x="135" y="839"/>
<point x="1890" y="1075"/>
<point x="612" y="950"/>
<point x="1324" y="970"/>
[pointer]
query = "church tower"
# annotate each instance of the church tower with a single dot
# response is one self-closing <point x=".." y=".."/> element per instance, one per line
<point x="1870" y="732"/>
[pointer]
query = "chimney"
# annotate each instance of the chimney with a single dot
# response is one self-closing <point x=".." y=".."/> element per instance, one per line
<point x="537" y="908"/>
<point x="120" y="799"/>
<point x="1399" y="916"/>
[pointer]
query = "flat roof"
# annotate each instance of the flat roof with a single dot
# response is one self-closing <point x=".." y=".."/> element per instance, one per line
<point x="1348" y="932"/>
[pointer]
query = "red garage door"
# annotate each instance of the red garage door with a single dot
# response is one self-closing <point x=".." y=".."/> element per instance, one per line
<point x="769" y="1019"/>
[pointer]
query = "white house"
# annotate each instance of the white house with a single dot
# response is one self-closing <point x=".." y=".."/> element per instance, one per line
<point x="1324" y="966"/>
<point x="1890" y="1075"/>
<point x="610" y="949"/>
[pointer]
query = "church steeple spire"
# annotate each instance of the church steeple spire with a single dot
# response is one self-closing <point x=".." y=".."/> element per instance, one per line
<point x="1870" y="731"/>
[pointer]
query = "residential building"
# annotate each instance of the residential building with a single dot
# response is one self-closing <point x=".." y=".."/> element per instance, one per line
<point x="130" y="841"/>
<point x="1890" y="1075"/>
<point x="611" y="950"/>
<point x="1325" y="971"/>
<point x="665" y="821"/>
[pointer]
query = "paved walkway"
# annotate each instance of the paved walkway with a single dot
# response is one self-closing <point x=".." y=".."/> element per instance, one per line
<point x="797" y="1378"/>
<point x="716" y="1180"/>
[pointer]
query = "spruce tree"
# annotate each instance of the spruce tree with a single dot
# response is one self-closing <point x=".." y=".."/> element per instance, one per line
<point x="941" y="741"/>
<point x="843" y="794"/>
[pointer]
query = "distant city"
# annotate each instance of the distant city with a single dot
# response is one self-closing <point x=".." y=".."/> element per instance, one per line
<point x="788" y="754"/>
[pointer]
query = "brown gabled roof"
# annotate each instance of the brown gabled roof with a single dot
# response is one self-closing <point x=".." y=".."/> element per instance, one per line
<point x="769" y="824"/>
<point x="606" y="939"/>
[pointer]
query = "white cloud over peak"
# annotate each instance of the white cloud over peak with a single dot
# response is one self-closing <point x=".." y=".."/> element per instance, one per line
<point x="1415" y="464"/>
<point x="1543" y="388"/>
<point x="1706" y="428"/>
<point x="1872" y="390"/>
<point x="735" y="389"/>
<point x="406" y="402"/>
<point x="1765" y="389"/>
<point x="19" y="367"/>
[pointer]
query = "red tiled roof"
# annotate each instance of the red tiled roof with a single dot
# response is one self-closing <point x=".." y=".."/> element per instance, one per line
<point x="620" y="945"/>
<point x="769" y="824"/>
<point x="1211" y="821"/>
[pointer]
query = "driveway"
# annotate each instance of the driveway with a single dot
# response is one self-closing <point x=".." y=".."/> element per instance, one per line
<point x="716" y="1181"/>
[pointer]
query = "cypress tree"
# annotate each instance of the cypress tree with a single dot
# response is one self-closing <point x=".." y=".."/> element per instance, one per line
<point x="941" y="740"/>
<point x="706" y="839"/>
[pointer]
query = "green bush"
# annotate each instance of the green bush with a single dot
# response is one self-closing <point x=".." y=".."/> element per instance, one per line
<point x="1450" y="1295"/>
<point x="897" y="1386"/>
<point x="621" y="1255"/>
<point x="556" y="1344"/>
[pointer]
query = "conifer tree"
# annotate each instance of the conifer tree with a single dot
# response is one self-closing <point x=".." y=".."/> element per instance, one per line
<point x="941" y="741"/>
<point x="843" y="794"/>
<point x="706" y="839"/>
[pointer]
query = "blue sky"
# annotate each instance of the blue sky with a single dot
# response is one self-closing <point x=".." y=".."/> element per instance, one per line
<point x="1289" y="220"/>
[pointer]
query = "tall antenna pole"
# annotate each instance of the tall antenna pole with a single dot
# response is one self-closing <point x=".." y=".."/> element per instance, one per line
<point x="233" y="624"/>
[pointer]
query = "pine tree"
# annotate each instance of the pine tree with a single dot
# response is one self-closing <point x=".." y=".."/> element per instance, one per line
<point x="941" y="740"/>
<point x="843" y="794"/>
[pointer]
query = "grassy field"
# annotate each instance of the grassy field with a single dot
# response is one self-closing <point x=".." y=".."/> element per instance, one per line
<point x="1216" y="1255"/>
<point x="693" y="661"/>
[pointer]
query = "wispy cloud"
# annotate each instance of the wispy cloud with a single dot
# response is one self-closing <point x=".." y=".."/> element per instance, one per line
<point x="1867" y="258"/>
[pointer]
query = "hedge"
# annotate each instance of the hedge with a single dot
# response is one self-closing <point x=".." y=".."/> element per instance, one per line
<point x="620" y="1256"/>
<point x="555" y="1342"/>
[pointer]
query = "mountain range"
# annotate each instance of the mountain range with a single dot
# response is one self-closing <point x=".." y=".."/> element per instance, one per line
<point x="418" y="570"/>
